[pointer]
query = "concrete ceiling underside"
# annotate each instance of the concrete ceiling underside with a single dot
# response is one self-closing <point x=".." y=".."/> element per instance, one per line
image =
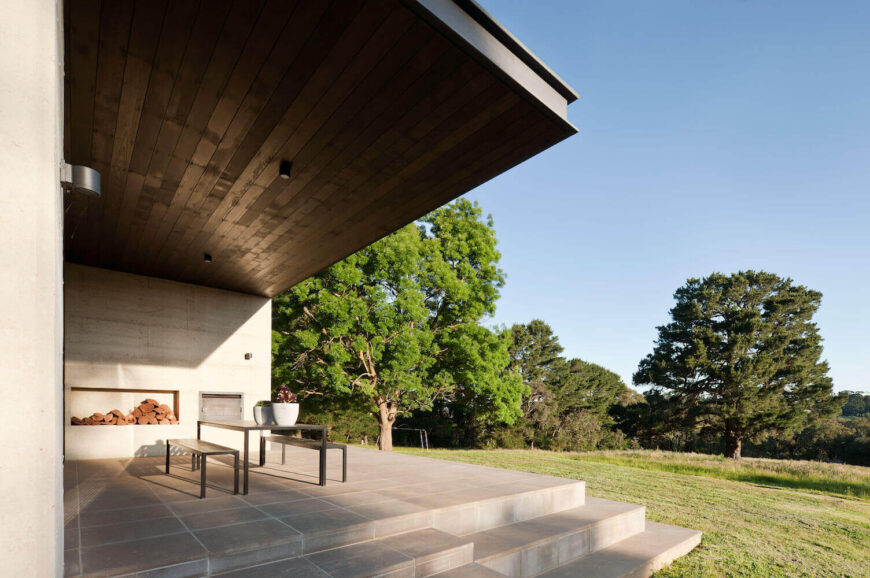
<point x="187" y="108"/>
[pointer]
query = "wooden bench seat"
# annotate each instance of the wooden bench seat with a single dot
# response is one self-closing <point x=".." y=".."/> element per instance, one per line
<point x="199" y="451"/>
<point x="305" y="443"/>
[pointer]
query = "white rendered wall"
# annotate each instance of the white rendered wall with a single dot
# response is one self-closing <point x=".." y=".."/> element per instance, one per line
<point x="129" y="331"/>
<point x="31" y="474"/>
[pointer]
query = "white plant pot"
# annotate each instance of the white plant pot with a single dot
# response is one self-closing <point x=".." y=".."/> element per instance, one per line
<point x="285" y="413"/>
<point x="263" y="414"/>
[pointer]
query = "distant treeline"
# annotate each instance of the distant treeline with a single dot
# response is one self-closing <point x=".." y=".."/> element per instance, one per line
<point x="840" y="438"/>
<point x="575" y="405"/>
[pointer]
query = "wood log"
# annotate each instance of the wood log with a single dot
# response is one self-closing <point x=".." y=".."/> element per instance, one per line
<point x="130" y="419"/>
<point x="165" y="408"/>
<point x="150" y="415"/>
<point x="137" y="412"/>
<point x="88" y="421"/>
<point x="170" y="415"/>
<point x="104" y="422"/>
<point x="146" y="408"/>
<point x="117" y="413"/>
<point x="97" y="416"/>
<point x="162" y="421"/>
<point x="142" y="420"/>
<point x="153" y="402"/>
<point x="152" y="421"/>
<point x="77" y="421"/>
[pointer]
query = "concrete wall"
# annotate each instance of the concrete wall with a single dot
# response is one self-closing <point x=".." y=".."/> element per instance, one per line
<point x="31" y="104"/>
<point x="129" y="331"/>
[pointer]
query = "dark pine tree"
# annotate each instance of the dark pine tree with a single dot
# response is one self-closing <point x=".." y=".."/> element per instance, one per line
<point x="742" y="356"/>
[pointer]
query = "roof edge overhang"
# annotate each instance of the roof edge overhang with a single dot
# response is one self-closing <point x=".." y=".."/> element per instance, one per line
<point x="474" y="30"/>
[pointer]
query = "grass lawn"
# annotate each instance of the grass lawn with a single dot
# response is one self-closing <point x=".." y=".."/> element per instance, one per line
<point x="759" y="517"/>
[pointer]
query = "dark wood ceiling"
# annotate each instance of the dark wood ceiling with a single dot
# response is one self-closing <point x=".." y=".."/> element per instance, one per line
<point x="186" y="108"/>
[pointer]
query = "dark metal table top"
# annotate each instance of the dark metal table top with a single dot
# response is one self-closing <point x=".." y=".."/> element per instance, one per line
<point x="250" y="425"/>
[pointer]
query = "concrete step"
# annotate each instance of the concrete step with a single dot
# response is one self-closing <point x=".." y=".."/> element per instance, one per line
<point x="455" y="513"/>
<point x="413" y="555"/>
<point x="470" y="571"/>
<point x="531" y="547"/>
<point x="635" y="557"/>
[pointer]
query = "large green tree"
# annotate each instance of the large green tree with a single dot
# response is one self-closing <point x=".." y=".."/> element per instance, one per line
<point x="741" y="356"/>
<point x="568" y="400"/>
<point x="396" y="325"/>
<point x="536" y="355"/>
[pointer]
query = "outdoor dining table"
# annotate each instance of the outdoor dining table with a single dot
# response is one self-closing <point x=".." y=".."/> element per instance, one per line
<point x="246" y="427"/>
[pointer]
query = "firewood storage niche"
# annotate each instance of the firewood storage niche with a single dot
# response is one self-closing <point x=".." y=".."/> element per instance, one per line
<point x="123" y="406"/>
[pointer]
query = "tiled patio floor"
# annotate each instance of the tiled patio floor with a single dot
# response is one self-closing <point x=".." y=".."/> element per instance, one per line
<point x="126" y="515"/>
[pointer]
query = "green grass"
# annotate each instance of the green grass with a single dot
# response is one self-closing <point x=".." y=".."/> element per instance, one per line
<point x="830" y="479"/>
<point x="759" y="517"/>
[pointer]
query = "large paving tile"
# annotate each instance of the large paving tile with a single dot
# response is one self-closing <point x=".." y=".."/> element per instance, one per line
<point x="433" y="551"/>
<point x="257" y="498"/>
<point x="292" y="568"/>
<point x="71" y="565"/>
<point x="247" y="536"/>
<point x="296" y="507"/>
<point x="470" y="571"/>
<point x="139" y="555"/>
<point x="132" y="530"/>
<point x="362" y="560"/>
<point x="205" y="520"/>
<point x="208" y="504"/>
<point x="105" y="517"/>
<point x="313" y="522"/>
<point x="71" y="535"/>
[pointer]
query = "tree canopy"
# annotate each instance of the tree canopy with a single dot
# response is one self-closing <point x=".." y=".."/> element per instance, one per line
<point x="395" y="326"/>
<point x="741" y="356"/>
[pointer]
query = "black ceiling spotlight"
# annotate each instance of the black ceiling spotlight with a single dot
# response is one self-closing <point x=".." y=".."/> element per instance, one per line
<point x="206" y="257"/>
<point x="284" y="169"/>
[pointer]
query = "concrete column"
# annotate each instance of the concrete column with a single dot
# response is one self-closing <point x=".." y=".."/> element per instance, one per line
<point x="31" y="213"/>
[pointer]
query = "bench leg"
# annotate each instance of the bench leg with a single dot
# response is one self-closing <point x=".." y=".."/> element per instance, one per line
<point x="236" y="479"/>
<point x="344" y="464"/>
<point x="283" y="454"/>
<point x="202" y="478"/>
<point x="245" y="465"/>
<point x="167" y="456"/>
<point x="323" y="459"/>
<point x="262" y="450"/>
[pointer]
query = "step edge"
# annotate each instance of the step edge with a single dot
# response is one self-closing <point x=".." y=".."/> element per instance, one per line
<point x="652" y="564"/>
<point x="556" y="537"/>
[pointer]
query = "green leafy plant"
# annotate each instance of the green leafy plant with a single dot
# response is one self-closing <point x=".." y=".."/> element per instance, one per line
<point x="264" y="403"/>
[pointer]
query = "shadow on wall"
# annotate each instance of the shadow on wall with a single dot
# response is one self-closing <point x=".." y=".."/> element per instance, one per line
<point x="158" y="448"/>
<point x="113" y="318"/>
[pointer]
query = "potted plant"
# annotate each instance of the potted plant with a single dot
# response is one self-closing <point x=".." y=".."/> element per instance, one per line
<point x="285" y="410"/>
<point x="263" y="412"/>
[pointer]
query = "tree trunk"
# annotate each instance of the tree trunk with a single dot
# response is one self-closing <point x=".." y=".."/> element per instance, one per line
<point x="386" y="418"/>
<point x="733" y="442"/>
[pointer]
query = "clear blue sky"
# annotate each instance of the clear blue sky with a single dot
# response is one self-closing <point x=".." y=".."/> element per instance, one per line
<point x="714" y="136"/>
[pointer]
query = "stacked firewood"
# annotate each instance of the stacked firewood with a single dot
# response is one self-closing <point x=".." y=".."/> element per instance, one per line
<point x="149" y="412"/>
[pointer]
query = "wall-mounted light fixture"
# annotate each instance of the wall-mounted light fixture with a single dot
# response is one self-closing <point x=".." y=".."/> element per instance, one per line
<point x="80" y="179"/>
<point x="284" y="169"/>
<point x="249" y="355"/>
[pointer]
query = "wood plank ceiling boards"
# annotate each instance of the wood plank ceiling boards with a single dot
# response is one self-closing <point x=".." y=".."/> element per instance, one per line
<point x="386" y="109"/>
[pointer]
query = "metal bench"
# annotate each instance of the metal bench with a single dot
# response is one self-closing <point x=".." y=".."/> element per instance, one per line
<point x="199" y="451"/>
<point x="304" y="443"/>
